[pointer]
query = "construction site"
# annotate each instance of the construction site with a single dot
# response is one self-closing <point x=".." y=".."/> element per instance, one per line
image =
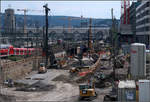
<point x="74" y="64"/>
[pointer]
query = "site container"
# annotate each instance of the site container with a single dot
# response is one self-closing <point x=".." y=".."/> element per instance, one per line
<point x="138" y="60"/>
<point x="127" y="91"/>
<point x="144" y="90"/>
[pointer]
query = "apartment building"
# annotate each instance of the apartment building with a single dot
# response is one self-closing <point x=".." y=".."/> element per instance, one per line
<point x="143" y="22"/>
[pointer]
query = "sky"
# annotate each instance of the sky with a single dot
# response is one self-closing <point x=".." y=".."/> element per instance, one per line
<point x="94" y="9"/>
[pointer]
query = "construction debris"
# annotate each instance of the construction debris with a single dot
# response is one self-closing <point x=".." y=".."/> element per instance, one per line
<point x="63" y="78"/>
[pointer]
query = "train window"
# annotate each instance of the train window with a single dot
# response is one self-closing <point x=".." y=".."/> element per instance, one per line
<point x="17" y="50"/>
<point x="4" y="53"/>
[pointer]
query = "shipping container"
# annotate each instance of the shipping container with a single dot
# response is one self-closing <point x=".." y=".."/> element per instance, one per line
<point x="144" y="90"/>
<point x="138" y="60"/>
<point x="127" y="91"/>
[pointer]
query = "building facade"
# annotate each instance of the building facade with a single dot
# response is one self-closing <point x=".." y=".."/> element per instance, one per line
<point x="143" y="22"/>
<point x="132" y="18"/>
<point x="9" y="21"/>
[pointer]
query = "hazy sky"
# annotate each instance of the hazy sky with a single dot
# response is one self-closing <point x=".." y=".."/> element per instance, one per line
<point x="95" y="9"/>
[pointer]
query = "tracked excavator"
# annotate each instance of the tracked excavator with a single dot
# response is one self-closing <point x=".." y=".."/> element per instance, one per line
<point x="87" y="91"/>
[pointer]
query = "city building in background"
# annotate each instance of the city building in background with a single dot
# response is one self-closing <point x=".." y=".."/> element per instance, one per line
<point x="132" y="18"/>
<point x="135" y="23"/>
<point x="9" y="20"/>
<point x="143" y="22"/>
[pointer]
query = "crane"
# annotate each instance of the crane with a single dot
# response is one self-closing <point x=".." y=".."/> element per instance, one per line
<point x="72" y="18"/>
<point x="90" y="30"/>
<point x="125" y="11"/>
<point x="69" y="23"/>
<point x="25" y="12"/>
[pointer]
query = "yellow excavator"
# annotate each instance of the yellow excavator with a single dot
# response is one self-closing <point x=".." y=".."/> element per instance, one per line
<point x="87" y="91"/>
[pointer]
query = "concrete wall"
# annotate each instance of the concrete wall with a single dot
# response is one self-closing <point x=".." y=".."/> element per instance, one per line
<point x="17" y="69"/>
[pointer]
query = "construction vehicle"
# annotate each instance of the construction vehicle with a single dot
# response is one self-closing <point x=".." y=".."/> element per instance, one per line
<point x="74" y="70"/>
<point x="87" y="91"/>
<point x="42" y="68"/>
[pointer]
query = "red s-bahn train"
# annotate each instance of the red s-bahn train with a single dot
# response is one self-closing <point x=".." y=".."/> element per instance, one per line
<point x="8" y="50"/>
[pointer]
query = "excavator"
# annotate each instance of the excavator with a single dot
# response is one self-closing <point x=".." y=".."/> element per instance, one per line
<point x="87" y="91"/>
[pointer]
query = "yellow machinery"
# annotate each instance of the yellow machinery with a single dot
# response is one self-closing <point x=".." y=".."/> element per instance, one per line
<point x="42" y="68"/>
<point x="74" y="70"/>
<point x="87" y="91"/>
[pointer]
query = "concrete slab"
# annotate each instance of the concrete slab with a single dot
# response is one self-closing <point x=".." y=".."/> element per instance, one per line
<point x="25" y="82"/>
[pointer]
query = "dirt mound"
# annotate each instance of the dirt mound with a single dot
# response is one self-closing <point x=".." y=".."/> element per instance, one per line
<point x="63" y="78"/>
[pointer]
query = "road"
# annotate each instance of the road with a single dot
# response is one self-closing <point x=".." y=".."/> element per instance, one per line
<point x="63" y="91"/>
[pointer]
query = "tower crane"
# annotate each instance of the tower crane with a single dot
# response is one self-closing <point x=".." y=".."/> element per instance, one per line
<point x="125" y="11"/>
<point x="25" y="12"/>
<point x="91" y="50"/>
<point x="72" y="18"/>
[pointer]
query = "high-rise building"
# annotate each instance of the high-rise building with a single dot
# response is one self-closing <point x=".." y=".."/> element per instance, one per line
<point x="132" y="18"/>
<point x="143" y="22"/>
<point x="9" y="21"/>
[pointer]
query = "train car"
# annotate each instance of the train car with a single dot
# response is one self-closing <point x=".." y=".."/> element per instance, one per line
<point x="6" y="50"/>
<point x="23" y="51"/>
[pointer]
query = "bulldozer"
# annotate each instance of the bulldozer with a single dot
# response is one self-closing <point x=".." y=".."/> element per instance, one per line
<point x="87" y="91"/>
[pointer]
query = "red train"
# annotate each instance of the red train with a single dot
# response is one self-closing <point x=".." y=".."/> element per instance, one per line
<point x="7" y="50"/>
